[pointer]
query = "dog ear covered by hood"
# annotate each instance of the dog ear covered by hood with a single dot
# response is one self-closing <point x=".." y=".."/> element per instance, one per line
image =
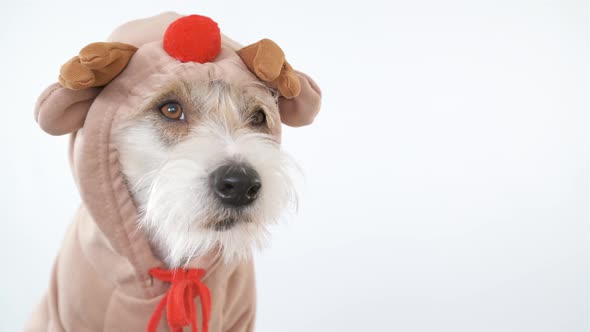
<point x="96" y="89"/>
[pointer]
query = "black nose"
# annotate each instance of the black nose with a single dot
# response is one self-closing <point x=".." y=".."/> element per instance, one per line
<point x="236" y="184"/>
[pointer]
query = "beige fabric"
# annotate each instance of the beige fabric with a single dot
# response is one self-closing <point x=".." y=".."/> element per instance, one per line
<point x="302" y="110"/>
<point x="61" y="111"/>
<point x="87" y="291"/>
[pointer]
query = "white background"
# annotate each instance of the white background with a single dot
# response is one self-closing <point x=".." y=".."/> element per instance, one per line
<point x="447" y="174"/>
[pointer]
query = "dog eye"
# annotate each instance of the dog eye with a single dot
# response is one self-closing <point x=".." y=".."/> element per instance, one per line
<point x="259" y="118"/>
<point x="172" y="111"/>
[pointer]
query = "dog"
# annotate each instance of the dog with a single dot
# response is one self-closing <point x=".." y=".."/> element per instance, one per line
<point x="175" y="148"/>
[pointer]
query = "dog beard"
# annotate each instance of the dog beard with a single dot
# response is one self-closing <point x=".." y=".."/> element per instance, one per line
<point x="177" y="207"/>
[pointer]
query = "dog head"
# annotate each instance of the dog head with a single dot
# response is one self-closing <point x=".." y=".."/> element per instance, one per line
<point x="197" y="138"/>
<point x="204" y="164"/>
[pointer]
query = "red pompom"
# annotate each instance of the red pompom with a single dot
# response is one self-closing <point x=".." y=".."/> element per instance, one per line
<point x="193" y="38"/>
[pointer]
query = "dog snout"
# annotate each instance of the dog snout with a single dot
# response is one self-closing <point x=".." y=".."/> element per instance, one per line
<point x="236" y="184"/>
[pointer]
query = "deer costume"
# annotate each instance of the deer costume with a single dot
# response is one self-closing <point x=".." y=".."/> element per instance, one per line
<point x="106" y="276"/>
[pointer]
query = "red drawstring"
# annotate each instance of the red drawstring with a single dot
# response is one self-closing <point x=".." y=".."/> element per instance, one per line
<point x="185" y="285"/>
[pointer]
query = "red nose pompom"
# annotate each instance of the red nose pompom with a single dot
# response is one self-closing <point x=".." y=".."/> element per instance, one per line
<point x="193" y="38"/>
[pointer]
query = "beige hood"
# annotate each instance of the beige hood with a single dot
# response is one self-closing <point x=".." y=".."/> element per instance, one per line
<point x="100" y="280"/>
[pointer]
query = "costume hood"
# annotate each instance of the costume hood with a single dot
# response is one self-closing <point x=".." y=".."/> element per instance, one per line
<point x="101" y="278"/>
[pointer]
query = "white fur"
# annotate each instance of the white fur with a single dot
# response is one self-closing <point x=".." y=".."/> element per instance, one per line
<point x="170" y="183"/>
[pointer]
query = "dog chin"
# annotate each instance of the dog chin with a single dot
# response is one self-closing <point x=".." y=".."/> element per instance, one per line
<point x="232" y="239"/>
<point x="226" y="224"/>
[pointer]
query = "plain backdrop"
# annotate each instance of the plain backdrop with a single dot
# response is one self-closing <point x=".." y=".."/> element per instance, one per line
<point x="447" y="176"/>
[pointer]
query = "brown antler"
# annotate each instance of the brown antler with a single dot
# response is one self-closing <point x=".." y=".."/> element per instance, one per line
<point x="267" y="61"/>
<point x="96" y="65"/>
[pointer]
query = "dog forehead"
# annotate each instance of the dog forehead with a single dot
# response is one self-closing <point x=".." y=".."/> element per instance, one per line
<point x="197" y="89"/>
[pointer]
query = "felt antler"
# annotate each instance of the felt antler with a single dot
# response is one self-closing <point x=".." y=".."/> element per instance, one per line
<point x="301" y="97"/>
<point x="267" y="61"/>
<point x="96" y="65"/>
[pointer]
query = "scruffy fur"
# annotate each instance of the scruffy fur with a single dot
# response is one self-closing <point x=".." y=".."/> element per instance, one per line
<point x="168" y="163"/>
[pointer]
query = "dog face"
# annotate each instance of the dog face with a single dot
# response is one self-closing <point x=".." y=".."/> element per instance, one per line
<point x="205" y="168"/>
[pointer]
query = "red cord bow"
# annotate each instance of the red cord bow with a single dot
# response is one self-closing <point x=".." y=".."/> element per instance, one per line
<point x="185" y="285"/>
